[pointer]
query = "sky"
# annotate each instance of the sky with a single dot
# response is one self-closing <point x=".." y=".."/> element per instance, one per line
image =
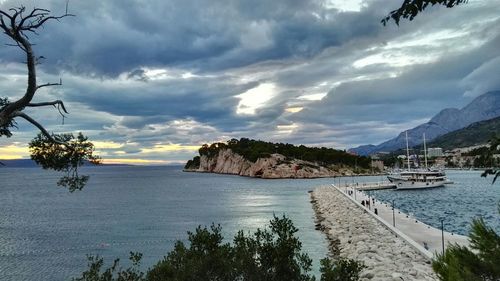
<point x="151" y="81"/>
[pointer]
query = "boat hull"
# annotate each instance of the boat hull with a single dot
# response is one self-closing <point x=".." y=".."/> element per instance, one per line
<point x="417" y="185"/>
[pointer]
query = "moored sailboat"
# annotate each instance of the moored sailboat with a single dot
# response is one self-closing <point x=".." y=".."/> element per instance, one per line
<point x="419" y="178"/>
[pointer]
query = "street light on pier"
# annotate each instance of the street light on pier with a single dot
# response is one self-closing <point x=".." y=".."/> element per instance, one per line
<point x="442" y="233"/>
<point x="393" y="215"/>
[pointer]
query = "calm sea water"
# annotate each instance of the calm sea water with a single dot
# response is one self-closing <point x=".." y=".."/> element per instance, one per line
<point x="46" y="232"/>
<point x="469" y="197"/>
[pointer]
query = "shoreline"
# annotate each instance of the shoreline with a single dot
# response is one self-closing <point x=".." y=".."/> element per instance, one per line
<point x="353" y="233"/>
<point x="281" y="178"/>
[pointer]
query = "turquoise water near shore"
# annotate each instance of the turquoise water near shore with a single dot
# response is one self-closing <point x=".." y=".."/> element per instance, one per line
<point x="46" y="232"/>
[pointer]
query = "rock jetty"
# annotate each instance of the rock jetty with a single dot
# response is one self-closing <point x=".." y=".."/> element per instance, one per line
<point x="356" y="235"/>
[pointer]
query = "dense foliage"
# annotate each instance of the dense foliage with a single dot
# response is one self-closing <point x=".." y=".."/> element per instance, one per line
<point x="5" y="128"/>
<point x="194" y="163"/>
<point x="66" y="155"/>
<point x="411" y="8"/>
<point x="255" y="149"/>
<point x="481" y="262"/>
<point x="494" y="146"/>
<point x="272" y="254"/>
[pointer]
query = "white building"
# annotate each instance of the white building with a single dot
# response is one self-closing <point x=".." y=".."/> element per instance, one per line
<point x="434" y="152"/>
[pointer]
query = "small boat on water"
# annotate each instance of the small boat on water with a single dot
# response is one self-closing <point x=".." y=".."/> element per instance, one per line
<point x="420" y="178"/>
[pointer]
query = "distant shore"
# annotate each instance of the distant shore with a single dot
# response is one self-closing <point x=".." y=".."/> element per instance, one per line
<point x="284" y="177"/>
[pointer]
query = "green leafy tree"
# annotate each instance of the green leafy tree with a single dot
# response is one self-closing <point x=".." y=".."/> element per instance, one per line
<point x="271" y="254"/>
<point x="95" y="271"/>
<point x="341" y="270"/>
<point x="206" y="258"/>
<point x="58" y="152"/>
<point x="480" y="262"/>
<point x="494" y="145"/>
<point x="411" y="8"/>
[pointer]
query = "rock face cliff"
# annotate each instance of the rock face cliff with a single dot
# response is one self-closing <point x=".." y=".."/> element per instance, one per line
<point x="275" y="166"/>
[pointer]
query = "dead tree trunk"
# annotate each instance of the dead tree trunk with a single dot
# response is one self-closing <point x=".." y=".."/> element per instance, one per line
<point x="58" y="152"/>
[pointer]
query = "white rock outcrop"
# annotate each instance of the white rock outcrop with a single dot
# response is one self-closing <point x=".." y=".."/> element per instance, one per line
<point x="356" y="235"/>
<point x="274" y="167"/>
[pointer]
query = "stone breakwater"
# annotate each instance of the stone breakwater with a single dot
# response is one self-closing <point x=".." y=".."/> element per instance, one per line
<point x="356" y="235"/>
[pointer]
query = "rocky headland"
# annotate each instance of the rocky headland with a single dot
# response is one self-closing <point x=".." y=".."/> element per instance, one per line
<point x="275" y="166"/>
<point x="254" y="158"/>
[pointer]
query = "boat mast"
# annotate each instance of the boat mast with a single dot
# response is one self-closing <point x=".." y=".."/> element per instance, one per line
<point x="425" y="153"/>
<point x="407" y="151"/>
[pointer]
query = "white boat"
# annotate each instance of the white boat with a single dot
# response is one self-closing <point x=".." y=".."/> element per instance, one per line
<point x="420" y="178"/>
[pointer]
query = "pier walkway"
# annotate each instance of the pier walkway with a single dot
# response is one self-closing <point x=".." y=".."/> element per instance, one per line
<point x="424" y="235"/>
<point x="356" y="233"/>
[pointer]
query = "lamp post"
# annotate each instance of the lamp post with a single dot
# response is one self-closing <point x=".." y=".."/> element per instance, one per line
<point x="369" y="201"/>
<point x="442" y="233"/>
<point x="393" y="215"/>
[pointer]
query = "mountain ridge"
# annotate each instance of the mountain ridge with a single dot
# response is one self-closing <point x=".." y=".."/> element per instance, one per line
<point x="483" y="107"/>
<point x="475" y="134"/>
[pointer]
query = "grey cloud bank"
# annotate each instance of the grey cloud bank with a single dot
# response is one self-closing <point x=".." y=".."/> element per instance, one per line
<point x="173" y="72"/>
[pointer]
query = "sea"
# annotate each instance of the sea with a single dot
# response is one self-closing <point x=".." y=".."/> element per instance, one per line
<point x="47" y="232"/>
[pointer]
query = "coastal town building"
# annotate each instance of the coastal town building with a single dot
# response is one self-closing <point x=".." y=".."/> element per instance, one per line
<point x="434" y="152"/>
<point x="377" y="164"/>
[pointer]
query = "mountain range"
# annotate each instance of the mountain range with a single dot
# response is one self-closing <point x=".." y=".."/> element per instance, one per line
<point x="484" y="107"/>
<point x="475" y="134"/>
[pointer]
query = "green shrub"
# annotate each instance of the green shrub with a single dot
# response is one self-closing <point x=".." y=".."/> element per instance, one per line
<point x="481" y="262"/>
<point x="271" y="254"/>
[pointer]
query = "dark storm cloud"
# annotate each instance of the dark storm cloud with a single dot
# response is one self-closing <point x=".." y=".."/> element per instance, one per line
<point x="203" y="99"/>
<point x="112" y="37"/>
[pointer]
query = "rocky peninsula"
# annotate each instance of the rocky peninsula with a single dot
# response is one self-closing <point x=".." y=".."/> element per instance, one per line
<point x="274" y="161"/>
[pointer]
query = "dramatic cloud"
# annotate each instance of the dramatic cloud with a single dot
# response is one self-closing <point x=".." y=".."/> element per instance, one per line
<point x="150" y="81"/>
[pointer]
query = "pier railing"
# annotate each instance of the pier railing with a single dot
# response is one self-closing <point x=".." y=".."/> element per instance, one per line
<point x="393" y="229"/>
<point x="367" y="185"/>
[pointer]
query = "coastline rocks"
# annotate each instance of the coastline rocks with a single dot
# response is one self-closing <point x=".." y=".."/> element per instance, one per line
<point x="359" y="236"/>
<point x="274" y="167"/>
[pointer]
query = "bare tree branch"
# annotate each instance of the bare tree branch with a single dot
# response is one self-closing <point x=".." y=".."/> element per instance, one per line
<point x="53" y="103"/>
<point x="49" y="84"/>
<point x="16" y="29"/>
<point x="60" y="152"/>
<point x="39" y="126"/>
